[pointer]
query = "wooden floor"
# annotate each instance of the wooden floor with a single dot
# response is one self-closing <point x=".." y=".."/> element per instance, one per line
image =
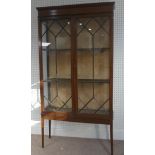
<point x="74" y="146"/>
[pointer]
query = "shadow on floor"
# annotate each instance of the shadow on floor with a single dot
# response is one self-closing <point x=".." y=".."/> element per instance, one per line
<point x="74" y="146"/>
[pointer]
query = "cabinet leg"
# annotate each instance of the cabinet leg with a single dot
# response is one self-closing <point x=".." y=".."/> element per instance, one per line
<point x="42" y="132"/>
<point x="42" y="137"/>
<point x="111" y="137"/>
<point x="49" y="128"/>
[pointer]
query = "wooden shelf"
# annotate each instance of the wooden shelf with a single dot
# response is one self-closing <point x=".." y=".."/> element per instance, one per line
<point x="91" y="49"/>
<point x="79" y="49"/>
<point x="51" y="108"/>
<point x="94" y="80"/>
<point x="79" y="80"/>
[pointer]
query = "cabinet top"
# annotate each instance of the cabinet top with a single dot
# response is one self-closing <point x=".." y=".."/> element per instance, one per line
<point x="76" y="9"/>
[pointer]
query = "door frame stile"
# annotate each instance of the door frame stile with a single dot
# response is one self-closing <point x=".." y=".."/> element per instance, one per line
<point x="74" y="66"/>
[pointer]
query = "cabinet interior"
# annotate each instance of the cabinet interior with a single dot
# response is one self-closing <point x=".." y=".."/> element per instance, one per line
<point x="92" y="51"/>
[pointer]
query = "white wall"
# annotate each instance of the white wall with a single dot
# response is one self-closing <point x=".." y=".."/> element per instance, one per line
<point x="61" y="128"/>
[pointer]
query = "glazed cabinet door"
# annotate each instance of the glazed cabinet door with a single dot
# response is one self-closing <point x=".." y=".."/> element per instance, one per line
<point x="56" y="57"/>
<point x="93" y="64"/>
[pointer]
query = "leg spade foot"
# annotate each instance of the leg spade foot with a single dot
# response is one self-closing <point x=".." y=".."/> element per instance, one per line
<point x="111" y="137"/>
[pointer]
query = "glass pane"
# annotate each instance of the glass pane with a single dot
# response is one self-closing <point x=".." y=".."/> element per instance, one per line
<point x="101" y="39"/>
<point x="84" y="39"/>
<point x="56" y="49"/>
<point x="85" y="68"/>
<point x="93" y="65"/>
<point x="101" y="64"/>
<point x="63" y="40"/>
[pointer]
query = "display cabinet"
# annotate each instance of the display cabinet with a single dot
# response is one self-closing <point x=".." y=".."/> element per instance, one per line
<point x="76" y="64"/>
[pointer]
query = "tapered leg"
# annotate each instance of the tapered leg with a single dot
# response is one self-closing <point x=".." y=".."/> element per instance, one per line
<point x="49" y="128"/>
<point x="42" y="131"/>
<point x="111" y="137"/>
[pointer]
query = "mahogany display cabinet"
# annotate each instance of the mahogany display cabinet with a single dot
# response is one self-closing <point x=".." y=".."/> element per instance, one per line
<point x="76" y="64"/>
